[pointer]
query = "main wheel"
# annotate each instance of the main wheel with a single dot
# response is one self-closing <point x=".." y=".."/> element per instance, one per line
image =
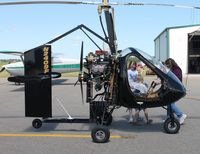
<point x="171" y="126"/>
<point x="37" y="123"/>
<point x="100" y="134"/>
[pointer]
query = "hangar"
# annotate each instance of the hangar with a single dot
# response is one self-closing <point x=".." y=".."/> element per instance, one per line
<point x="182" y="43"/>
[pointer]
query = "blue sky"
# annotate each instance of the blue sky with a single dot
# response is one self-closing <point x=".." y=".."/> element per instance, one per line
<point x="28" y="26"/>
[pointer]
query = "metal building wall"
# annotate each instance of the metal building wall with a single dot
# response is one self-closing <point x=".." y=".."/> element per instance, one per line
<point x="173" y="43"/>
<point x="161" y="46"/>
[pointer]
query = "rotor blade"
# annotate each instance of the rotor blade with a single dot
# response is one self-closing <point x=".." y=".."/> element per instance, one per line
<point x="96" y="3"/>
<point x="49" y="2"/>
<point x="81" y="58"/>
<point x="155" y="4"/>
<point x="81" y="85"/>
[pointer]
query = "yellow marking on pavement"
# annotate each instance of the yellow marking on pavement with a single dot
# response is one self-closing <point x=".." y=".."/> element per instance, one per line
<point x="55" y="135"/>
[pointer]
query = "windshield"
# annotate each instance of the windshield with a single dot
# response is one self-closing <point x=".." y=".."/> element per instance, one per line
<point x="154" y="61"/>
<point x="151" y="59"/>
<point x="160" y="65"/>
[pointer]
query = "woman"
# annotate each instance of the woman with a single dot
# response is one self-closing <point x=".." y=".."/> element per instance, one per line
<point x="172" y="65"/>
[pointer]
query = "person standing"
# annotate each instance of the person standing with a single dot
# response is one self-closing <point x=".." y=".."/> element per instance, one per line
<point x="173" y="66"/>
<point x="132" y="77"/>
<point x="142" y="89"/>
<point x="135" y="80"/>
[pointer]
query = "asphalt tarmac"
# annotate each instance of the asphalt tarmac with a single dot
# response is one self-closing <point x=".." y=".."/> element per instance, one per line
<point x="17" y="136"/>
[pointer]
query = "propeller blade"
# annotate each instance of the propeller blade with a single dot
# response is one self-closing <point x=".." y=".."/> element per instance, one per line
<point x="3" y="68"/>
<point x="81" y="72"/>
<point x="81" y="85"/>
<point x="81" y="66"/>
<point x="81" y="58"/>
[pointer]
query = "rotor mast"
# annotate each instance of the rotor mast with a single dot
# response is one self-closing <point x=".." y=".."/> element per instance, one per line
<point x="110" y="25"/>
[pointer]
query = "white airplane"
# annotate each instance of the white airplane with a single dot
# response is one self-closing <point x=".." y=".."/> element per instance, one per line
<point x="59" y="65"/>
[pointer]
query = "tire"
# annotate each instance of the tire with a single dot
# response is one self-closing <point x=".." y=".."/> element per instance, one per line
<point x="100" y="134"/>
<point x="37" y="123"/>
<point x="171" y="126"/>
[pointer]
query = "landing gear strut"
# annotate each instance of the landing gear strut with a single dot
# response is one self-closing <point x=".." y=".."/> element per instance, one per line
<point x="103" y="117"/>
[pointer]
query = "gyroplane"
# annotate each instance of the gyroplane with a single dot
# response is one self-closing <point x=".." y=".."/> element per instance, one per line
<point x="105" y="74"/>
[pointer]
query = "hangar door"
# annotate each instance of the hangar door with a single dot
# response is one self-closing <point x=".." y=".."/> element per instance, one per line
<point x="194" y="52"/>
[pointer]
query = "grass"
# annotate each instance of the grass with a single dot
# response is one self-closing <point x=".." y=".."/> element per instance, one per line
<point x="72" y="74"/>
<point x="3" y="63"/>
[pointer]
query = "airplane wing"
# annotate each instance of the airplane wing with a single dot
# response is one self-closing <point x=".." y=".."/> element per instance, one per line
<point x="15" y="53"/>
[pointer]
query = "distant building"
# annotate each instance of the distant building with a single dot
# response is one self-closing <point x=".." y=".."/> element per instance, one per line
<point x="182" y="43"/>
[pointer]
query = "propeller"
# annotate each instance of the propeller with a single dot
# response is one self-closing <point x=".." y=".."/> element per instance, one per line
<point x="81" y="74"/>
<point x="103" y="3"/>
<point x="2" y="69"/>
<point x="81" y="77"/>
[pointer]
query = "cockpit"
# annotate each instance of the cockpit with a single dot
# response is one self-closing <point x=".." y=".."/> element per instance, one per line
<point x="142" y="80"/>
<point x="148" y="81"/>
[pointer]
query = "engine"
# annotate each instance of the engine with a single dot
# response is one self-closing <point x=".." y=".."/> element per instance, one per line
<point x="99" y="66"/>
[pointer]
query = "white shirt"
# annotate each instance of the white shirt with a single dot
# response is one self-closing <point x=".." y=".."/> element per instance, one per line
<point x="132" y="75"/>
<point x="134" y="84"/>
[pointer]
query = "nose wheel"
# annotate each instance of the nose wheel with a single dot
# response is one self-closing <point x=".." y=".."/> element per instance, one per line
<point x="171" y="126"/>
<point x="100" y="134"/>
